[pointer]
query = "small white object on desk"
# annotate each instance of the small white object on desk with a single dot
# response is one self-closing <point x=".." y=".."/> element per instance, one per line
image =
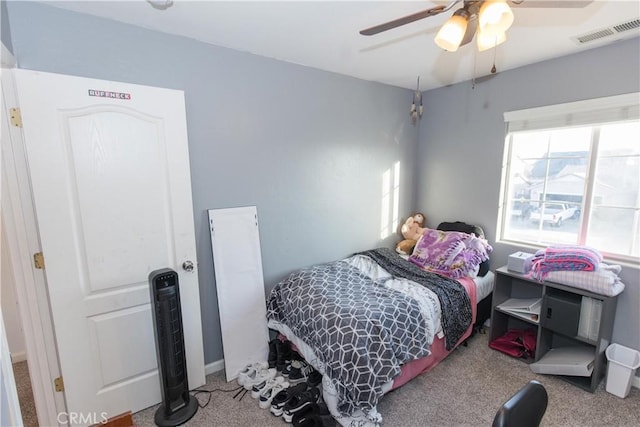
<point x="520" y="262"/>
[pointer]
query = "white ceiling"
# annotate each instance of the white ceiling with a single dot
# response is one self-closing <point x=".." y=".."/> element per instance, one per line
<point x="324" y="34"/>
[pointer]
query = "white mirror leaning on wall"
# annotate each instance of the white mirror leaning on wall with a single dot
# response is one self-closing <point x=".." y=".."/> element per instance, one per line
<point x="237" y="261"/>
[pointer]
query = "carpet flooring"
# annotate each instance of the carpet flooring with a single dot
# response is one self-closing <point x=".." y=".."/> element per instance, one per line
<point x="25" y="394"/>
<point x="466" y="389"/>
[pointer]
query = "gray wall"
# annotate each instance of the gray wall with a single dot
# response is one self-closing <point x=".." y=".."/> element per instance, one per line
<point x="5" y="30"/>
<point x="462" y="145"/>
<point x="307" y="147"/>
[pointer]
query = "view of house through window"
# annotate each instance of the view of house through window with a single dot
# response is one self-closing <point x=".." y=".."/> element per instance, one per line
<point x="575" y="185"/>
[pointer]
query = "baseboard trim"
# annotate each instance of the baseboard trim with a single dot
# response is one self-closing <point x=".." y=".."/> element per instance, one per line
<point x="213" y="367"/>
<point x="19" y="356"/>
<point x="635" y="382"/>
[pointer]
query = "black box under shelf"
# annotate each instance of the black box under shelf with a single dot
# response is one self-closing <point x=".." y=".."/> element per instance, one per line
<point x="561" y="312"/>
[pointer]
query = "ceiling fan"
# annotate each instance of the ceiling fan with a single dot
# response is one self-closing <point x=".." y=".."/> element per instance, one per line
<point x="489" y="19"/>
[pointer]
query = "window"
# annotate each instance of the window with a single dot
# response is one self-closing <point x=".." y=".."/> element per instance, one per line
<point x="572" y="176"/>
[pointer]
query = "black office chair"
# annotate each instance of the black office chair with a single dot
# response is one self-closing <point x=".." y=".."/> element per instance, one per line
<point x="525" y="409"/>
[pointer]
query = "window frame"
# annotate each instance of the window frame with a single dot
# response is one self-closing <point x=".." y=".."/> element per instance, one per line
<point x="592" y="112"/>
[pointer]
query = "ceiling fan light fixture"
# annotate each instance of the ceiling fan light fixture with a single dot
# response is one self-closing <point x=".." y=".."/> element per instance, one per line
<point x="450" y="35"/>
<point x="495" y="17"/>
<point x="489" y="41"/>
<point x="160" y="4"/>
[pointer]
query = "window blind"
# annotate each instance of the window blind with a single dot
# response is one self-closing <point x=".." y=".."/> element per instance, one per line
<point x="592" y="111"/>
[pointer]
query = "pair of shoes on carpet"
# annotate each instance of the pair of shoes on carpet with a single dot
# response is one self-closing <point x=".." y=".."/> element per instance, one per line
<point x="298" y="371"/>
<point x="280" y="399"/>
<point x="288" y="402"/>
<point x="272" y="359"/>
<point x="279" y="354"/>
<point x="268" y="393"/>
<point x="314" y="415"/>
<point x="255" y="373"/>
<point x="270" y="390"/>
<point x="285" y="359"/>
<point x="266" y="397"/>
<point x="314" y="378"/>
<point x="299" y="402"/>
<point x="258" y="388"/>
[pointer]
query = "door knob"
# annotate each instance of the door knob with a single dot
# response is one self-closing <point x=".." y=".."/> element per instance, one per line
<point x="187" y="266"/>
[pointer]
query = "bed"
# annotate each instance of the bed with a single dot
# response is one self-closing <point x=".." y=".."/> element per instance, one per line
<point x="373" y="321"/>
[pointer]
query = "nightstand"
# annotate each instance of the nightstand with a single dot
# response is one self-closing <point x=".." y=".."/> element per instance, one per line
<point x="569" y="317"/>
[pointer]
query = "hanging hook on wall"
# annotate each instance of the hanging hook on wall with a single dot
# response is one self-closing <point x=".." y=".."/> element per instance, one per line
<point x="416" y="106"/>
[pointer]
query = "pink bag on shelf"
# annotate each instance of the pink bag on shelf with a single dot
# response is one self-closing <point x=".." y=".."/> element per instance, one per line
<point x="516" y="343"/>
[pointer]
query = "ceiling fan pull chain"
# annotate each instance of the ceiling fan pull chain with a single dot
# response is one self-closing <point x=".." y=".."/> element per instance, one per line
<point x="493" y="69"/>
<point x="473" y="76"/>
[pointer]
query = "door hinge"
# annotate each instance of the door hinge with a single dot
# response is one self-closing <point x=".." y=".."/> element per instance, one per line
<point x="59" y="384"/>
<point x="16" y="117"/>
<point x="38" y="260"/>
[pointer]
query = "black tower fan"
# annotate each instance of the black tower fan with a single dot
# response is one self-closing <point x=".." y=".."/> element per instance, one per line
<point x="178" y="406"/>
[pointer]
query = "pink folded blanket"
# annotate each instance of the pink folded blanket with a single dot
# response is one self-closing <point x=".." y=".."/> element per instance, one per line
<point x="564" y="257"/>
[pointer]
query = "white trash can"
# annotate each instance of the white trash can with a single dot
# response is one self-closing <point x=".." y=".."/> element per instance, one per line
<point x="623" y="362"/>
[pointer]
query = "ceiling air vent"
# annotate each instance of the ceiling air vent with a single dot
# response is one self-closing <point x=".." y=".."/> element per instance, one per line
<point x="626" y="26"/>
<point x="608" y="32"/>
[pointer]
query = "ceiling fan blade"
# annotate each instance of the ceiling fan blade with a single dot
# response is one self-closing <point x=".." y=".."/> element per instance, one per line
<point x="551" y="3"/>
<point x="472" y="26"/>
<point x="402" y="21"/>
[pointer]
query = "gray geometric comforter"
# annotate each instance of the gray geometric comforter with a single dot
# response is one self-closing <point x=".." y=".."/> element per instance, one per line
<point x="361" y="330"/>
<point x="454" y="299"/>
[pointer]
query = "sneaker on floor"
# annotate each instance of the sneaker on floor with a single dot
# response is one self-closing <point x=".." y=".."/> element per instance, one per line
<point x="294" y="361"/>
<point x="258" y="376"/>
<point x="316" y="414"/>
<point x="314" y="420"/>
<point x="267" y="395"/>
<point x="283" y="353"/>
<point x="273" y="353"/>
<point x="280" y="399"/>
<point x="250" y="370"/>
<point x="314" y="379"/>
<point x="258" y="388"/>
<point x="298" y="402"/>
<point x="299" y="372"/>
<point x="290" y="365"/>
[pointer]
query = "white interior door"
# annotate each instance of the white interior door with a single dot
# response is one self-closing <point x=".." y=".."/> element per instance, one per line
<point x="109" y="169"/>
<point x="237" y="260"/>
<point x="10" y="406"/>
